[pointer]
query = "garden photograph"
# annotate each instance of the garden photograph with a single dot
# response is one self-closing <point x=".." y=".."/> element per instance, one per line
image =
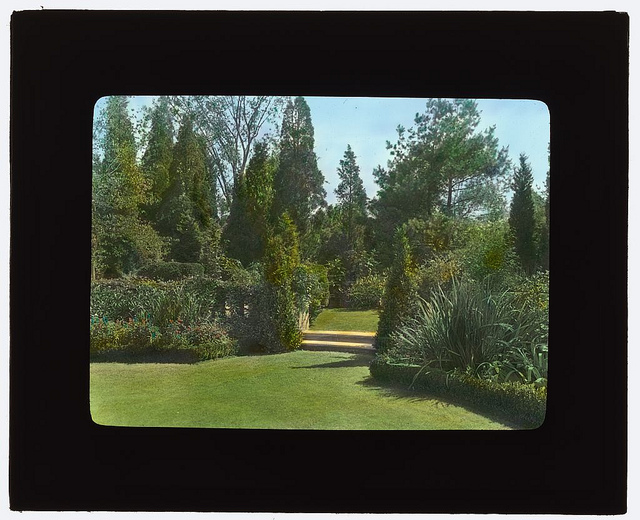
<point x="319" y="263"/>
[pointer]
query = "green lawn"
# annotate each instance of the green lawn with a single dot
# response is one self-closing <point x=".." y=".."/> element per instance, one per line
<point x="344" y="319"/>
<point x="297" y="390"/>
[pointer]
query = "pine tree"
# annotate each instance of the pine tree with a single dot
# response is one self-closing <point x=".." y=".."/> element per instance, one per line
<point x="298" y="182"/>
<point x="522" y="217"/>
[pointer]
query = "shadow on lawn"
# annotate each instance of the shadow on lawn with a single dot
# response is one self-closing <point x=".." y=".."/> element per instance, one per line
<point x="358" y="360"/>
<point x="400" y="392"/>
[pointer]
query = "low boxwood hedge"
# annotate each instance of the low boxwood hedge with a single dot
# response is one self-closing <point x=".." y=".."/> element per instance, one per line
<point x="523" y="404"/>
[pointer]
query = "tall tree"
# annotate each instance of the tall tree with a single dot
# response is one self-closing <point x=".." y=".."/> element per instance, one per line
<point x="245" y="231"/>
<point x="185" y="213"/>
<point x="121" y="240"/>
<point x="230" y="126"/>
<point x="521" y="216"/>
<point x="158" y="154"/>
<point x="442" y="162"/>
<point x="351" y="194"/>
<point x="298" y="182"/>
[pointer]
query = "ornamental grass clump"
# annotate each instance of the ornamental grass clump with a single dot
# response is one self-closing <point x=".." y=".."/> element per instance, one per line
<point x="476" y="328"/>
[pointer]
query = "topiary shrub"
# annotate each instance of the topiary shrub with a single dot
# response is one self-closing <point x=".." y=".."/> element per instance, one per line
<point x="400" y="293"/>
<point x="167" y="271"/>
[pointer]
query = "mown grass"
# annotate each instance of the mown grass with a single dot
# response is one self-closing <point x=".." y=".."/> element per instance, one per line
<point x="344" y="319"/>
<point x="297" y="390"/>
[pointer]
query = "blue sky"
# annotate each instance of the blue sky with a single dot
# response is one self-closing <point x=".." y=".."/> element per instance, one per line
<point x="368" y="123"/>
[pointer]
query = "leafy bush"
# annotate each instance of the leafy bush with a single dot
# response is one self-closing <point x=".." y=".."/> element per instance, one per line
<point x="207" y="340"/>
<point x="366" y="293"/>
<point x="523" y="404"/>
<point x="167" y="271"/>
<point x="311" y="286"/>
<point x="133" y="335"/>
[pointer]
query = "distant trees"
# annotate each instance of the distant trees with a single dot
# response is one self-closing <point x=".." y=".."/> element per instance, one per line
<point x="352" y="198"/>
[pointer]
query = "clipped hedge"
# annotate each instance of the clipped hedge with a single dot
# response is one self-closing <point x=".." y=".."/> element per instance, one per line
<point x="520" y="403"/>
<point x="167" y="271"/>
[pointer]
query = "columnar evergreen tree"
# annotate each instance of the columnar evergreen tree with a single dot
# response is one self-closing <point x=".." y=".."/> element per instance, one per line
<point x="158" y="155"/>
<point x="298" y="182"/>
<point x="521" y="216"/>
<point x="122" y="240"/>
<point x="281" y="259"/>
<point x="185" y="214"/>
<point x="400" y="291"/>
<point x="351" y="195"/>
<point x="245" y="231"/>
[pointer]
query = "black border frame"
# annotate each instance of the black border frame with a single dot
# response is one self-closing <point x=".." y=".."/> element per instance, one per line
<point x="63" y="61"/>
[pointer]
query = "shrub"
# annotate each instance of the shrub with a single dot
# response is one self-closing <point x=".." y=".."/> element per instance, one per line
<point x="399" y="293"/>
<point x="167" y="271"/>
<point x="133" y="336"/>
<point x="522" y="404"/>
<point x="207" y="340"/>
<point x="366" y="292"/>
<point x="311" y="286"/>
<point x="125" y="298"/>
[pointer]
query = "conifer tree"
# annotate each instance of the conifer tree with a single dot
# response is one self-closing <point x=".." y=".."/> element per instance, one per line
<point x="245" y="231"/>
<point x="351" y="195"/>
<point x="185" y="214"/>
<point x="400" y="291"/>
<point x="158" y="154"/>
<point x="298" y="182"/>
<point x="522" y="217"/>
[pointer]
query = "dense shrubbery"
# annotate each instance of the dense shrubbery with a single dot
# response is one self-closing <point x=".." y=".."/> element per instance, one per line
<point x="311" y="286"/>
<point x="524" y="404"/>
<point x="366" y="292"/>
<point x="133" y="335"/>
<point x="170" y="270"/>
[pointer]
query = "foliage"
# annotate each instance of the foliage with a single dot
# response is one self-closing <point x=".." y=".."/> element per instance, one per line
<point x="311" y="286"/>
<point x="158" y="154"/>
<point x="230" y="125"/>
<point x="206" y="340"/>
<point x="133" y="335"/>
<point x="443" y="162"/>
<point x="399" y="294"/>
<point x="522" y="404"/>
<point x="298" y="183"/>
<point x="366" y="292"/>
<point x="121" y="239"/>
<point x="245" y="231"/>
<point x="522" y="217"/>
<point x="352" y="199"/>
<point x="185" y="213"/>
<point x="475" y="327"/>
<point x="170" y="270"/>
